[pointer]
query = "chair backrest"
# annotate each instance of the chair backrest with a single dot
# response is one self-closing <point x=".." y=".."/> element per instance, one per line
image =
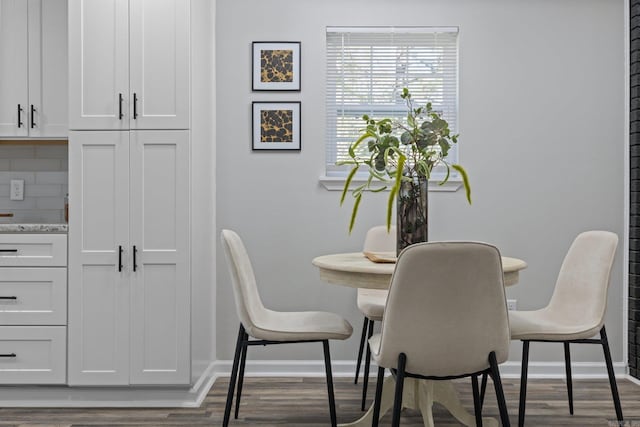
<point x="446" y="309"/>
<point x="248" y="303"/>
<point x="580" y="295"/>
<point x="379" y="240"/>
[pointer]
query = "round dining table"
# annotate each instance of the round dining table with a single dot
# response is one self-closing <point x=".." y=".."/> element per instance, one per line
<point x="357" y="271"/>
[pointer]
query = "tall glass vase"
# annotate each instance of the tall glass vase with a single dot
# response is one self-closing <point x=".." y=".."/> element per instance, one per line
<point x="412" y="210"/>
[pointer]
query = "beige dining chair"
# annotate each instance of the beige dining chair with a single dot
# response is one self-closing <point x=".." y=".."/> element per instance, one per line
<point x="268" y="327"/>
<point x="575" y="312"/>
<point x="445" y="318"/>
<point x="371" y="302"/>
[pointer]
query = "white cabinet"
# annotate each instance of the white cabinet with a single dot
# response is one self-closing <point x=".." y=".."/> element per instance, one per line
<point x="33" y="68"/>
<point x="33" y="308"/>
<point x="129" y="64"/>
<point x="129" y="288"/>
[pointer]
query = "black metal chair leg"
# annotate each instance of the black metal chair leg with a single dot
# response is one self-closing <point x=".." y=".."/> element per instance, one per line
<point x="476" y="400"/>
<point x="234" y="375"/>
<point x="497" y="384"/>
<point x="567" y="368"/>
<point x="612" y="377"/>
<point x="367" y="365"/>
<point x="243" y="361"/>
<point x="483" y="388"/>
<point x="363" y="337"/>
<point x="378" y="399"/>
<point x="397" y="401"/>
<point x="327" y="366"/>
<point x="523" y="382"/>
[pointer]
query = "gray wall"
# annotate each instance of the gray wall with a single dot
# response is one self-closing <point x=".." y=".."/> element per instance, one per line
<point x="542" y="137"/>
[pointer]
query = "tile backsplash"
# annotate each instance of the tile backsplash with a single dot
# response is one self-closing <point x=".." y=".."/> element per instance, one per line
<point x="44" y="169"/>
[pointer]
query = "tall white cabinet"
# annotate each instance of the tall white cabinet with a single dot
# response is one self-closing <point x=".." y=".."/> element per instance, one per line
<point x="129" y="60"/>
<point x="129" y="260"/>
<point x="33" y="68"/>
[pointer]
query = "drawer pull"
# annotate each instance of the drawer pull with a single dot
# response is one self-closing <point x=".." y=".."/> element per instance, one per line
<point x="8" y="355"/>
<point x="9" y="298"/>
<point x="13" y="251"/>
<point x="119" y="258"/>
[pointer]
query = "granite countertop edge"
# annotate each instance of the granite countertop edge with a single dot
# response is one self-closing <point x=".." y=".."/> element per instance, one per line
<point x="34" y="228"/>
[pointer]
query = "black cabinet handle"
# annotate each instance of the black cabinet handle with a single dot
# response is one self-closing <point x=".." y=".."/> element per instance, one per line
<point x="9" y="298"/>
<point x="20" y="116"/>
<point x="135" y="105"/>
<point x="33" y="118"/>
<point x="135" y="252"/>
<point x="119" y="258"/>
<point x="120" y="107"/>
<point x="14" y="251"/>
<point x="8" y="355"/>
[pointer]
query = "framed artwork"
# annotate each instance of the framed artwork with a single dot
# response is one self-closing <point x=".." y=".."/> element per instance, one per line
<point x="276" y="66"/>
<point x="276" y="126"/>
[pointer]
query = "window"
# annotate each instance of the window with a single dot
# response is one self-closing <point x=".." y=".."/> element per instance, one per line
<point x="367" y="69"/>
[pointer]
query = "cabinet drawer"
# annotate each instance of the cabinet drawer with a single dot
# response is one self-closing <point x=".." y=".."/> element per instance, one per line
<point x="33" y="354"/>
<point x="33" y="250"/>
<point x="33" y="296"/>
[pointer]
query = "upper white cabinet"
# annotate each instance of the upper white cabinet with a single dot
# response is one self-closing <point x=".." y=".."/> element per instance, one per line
<point x="129" y="64"/>
<point x="33" y="68"/>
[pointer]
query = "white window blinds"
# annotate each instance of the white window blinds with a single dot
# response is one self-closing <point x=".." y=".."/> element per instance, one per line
<point x="367" y="69"/>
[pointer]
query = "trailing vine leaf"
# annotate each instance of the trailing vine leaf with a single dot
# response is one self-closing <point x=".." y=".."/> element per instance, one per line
<point x="356" y="204"/>
<point x="446" y="178"/>
<point x="347" y="183"/>
<point x="465" y="180"/>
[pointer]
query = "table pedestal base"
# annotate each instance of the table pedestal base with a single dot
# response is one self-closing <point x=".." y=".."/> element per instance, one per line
<point x="420" y="395"/>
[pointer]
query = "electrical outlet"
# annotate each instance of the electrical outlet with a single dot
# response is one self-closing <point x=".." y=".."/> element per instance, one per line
<point x="17" y="189"/>
<point x="512" y="304"/>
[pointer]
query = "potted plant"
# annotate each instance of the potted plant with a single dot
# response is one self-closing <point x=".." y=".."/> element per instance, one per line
<point x="402" y="155"/>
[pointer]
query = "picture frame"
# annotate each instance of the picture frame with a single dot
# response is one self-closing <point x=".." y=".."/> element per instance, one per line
<point x="276" y="126"/>
<point x="276" y="66"/>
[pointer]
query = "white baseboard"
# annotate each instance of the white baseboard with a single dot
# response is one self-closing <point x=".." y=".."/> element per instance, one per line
<point x="347" y="368"/>
<point x="114" y="397"/>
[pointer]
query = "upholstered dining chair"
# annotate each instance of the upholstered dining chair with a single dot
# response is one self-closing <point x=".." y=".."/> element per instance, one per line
<point x="268" y="327"/>
<point x="371" y="302"/>
<point x="445" y="318"/>
<point x="575" y="312"/>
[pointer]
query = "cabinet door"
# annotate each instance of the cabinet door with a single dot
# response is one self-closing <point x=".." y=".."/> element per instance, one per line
<point x="13" y="68"/>
<point x="98" y="64"/>
<point x="48" y="64"/>
<point x="98" y="272"/>
<point x="160" y="232"/>
<point x="159" y="64"/>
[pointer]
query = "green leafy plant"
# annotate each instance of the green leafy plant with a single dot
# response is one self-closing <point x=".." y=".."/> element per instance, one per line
<point x="394" y="151"/>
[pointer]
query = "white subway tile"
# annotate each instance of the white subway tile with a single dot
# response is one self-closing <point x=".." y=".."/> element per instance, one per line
<point x="42" y="190"/>
<point x="52" y="152"/>
<point x="38" y="217"/>
<point x="51" y="178"/>
<point x="4" y="190"/>
<point x="29" y="177"/>
<point x="5" y="164"/>
<point x="35" y="164"/>
<point x="27" y="203"/>
<point x="49" y="203"/>
<point x="17" y="151"/>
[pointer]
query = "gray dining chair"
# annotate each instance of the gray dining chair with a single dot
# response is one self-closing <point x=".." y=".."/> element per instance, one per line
<point x="371" y="302"/>
<point x="575" y="313"/>
<point x="445" y="318"/>
<point x="268" y="327"/>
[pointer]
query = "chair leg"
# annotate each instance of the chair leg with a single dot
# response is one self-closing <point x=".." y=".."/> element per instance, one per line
<point x="397" y="401"/>
<point x="378" y="399"/>
<point x="567" y="368"/>
<point x="523" y="382"/>
<point x="612" y="378"/>
<point x="497" y="384"/>
<point x="363" y="337"/>
<point x="234" y="375"/>
<point x="327" y="366"/>
<point x="367" y="365"/>
<point x="476" y="400"/>
<point x="483" y="388"/>
<point x="243" y="361"/>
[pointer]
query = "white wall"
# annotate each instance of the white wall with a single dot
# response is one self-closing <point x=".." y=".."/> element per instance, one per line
<point x="542" y="137"/>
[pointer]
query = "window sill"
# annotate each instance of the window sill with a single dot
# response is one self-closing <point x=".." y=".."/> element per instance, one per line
<point x="336" y="183"/>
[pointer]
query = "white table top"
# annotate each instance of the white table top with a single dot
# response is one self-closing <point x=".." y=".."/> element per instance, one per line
<point x="355" y="270"/>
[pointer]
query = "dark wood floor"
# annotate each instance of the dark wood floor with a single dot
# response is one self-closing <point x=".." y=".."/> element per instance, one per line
<point x="302" y="402"/>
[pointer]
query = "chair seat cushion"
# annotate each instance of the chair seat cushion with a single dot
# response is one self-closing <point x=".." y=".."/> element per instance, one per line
<point x="371" y="303"/>
<point x="300" y="326"/>
<point x="544" y="325"/>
